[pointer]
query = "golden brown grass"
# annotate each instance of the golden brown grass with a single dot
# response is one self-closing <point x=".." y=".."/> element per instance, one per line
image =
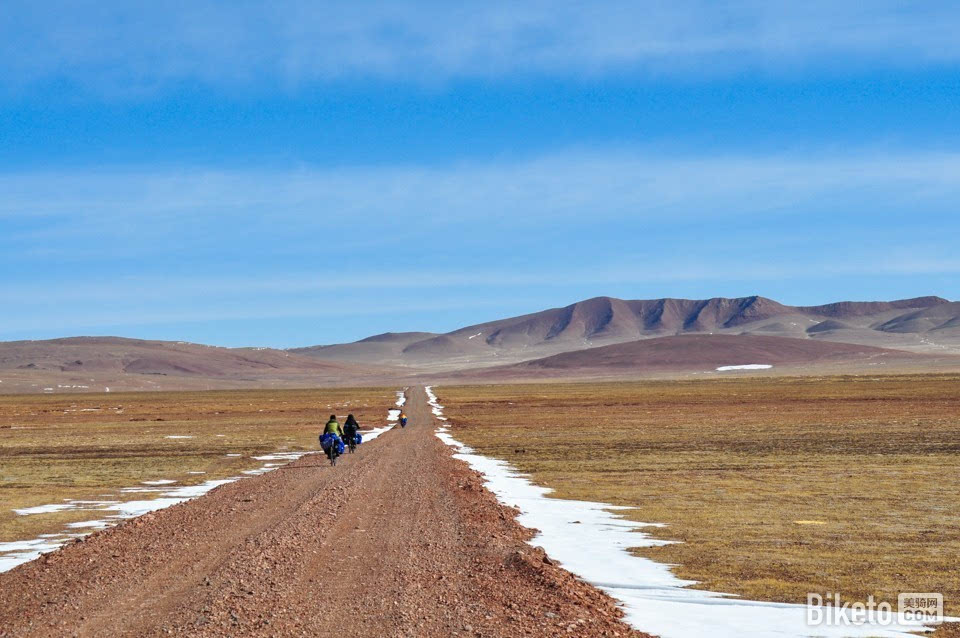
<point x="776" y="486"/>
<point x="88" y="446"/>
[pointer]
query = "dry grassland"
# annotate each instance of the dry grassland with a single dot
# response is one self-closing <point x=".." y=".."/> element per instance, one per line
<point x="89" y="446"/>
<point x="776" y="486"/>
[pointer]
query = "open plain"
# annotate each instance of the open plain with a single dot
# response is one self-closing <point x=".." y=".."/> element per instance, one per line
<point x="399" y="539"/>
<point x="96" y="447"/>
<point x="775" y="486"/>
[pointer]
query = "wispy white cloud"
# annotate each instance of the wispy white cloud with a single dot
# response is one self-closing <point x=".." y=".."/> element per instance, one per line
<point x="295" y="288"/>
<point x="303" y="290"/>
<point x="121" y="46"/>
<point x="138" y="247"/>
<point x="603" y="184"/>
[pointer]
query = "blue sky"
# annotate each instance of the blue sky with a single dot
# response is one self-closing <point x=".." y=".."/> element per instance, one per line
<point x="293" y="173"/>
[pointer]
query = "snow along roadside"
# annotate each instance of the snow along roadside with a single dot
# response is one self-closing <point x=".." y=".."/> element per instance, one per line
<point x="653" y="598"/>
<point x="112" y="512"/>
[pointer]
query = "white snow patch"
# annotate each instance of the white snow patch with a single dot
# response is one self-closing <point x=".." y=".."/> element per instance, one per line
<point x="79" y="504"/>
<point x="369" y="435"/>
<point x="131" y="509"/>
<point x="45" y="509"/>
<point x="748" y="366"/>
<point x="95" y="524"/>
<point x="475" y="336"/>
<point x="18" y="552"/>
<point x="654" y="599"/>
<point x="280" y="456"/>
<point x="392" y="417"/>
<point x="20" y="546"/>
<point x="178" y="436"/>
<point x="193" y="491"/>
<point x="435" y="407"/>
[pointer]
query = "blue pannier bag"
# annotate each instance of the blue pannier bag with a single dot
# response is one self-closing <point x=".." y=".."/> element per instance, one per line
<point x="358" y="438"/>
<point x="326" y="440"/>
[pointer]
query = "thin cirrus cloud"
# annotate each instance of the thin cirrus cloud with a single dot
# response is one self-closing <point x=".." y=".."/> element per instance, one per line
<point x="119" y="46"/>
<point x="204" y="292"/>
<point x="607" y="184"/>
<point x="660" y="178"/>
<point x="144" y="246"/>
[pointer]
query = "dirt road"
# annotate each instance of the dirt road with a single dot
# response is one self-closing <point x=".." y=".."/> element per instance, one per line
<point x="399" y="539"/>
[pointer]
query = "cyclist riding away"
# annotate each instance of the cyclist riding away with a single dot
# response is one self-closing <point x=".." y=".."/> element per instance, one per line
<point x="333" y="427"/>
<point x="403" y="419"/>
<point x="350" y="428"/>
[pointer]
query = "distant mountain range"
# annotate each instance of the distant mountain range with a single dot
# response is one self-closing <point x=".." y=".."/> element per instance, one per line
<point x="921" y="325"/>
<point x="597" y="337"/>
<point x="97" y="364"/>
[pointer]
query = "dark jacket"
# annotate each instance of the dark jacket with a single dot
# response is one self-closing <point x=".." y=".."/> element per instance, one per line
<point x="351" y="426"/>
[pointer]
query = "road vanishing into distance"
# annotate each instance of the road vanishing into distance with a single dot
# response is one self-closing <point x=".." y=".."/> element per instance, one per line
<point x="399" y="539"/>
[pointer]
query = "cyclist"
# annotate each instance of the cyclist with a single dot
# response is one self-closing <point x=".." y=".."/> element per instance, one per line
<point x="403" y="419"/>
<point x="350" y="427"/>
<point x="333" y="427"/>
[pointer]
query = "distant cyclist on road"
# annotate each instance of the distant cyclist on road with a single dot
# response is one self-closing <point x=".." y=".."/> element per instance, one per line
<point x="350" y="427"/>
<point x="403" y="419"/>
<point x="333" y="427"/>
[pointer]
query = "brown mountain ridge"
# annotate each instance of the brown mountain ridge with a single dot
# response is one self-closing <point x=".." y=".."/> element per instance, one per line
<point x="922" y="325"/>
<point x="115" y="363"/>
<point x="603" y="333"/>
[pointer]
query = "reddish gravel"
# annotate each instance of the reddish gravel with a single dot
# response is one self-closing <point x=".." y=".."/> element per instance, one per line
<point x="399" y="539"/>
